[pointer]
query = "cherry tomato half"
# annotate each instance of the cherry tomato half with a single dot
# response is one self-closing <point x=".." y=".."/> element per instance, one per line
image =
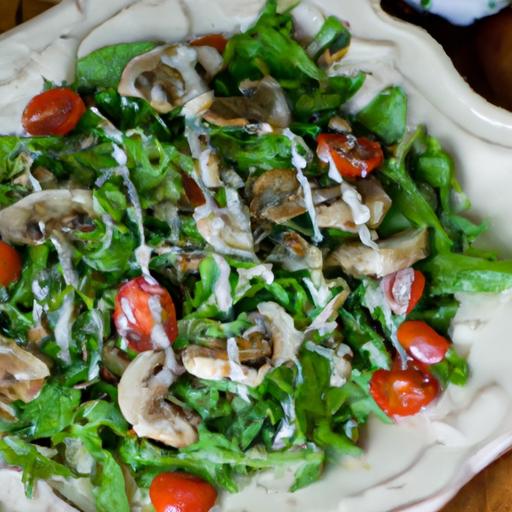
<point x="141" y="306"/>
<point x="53" y="112"/>
<point x="422" y="342"/>
<point x="180" y="492"/>
<point x="403" y="392"/>
<point x="403" y="290"/>
<point x="217" y="41"/>
<point x="10" y="264"/>
<point x="353" y="157"/>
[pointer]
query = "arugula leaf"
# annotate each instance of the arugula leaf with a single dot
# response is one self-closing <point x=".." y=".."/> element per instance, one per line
<point x="386" y="115"/>
<point x="411" y="202"/>
<point x="107" y="478"/>
<point x="268" y="47"/>
<point x="454" y="273"/>
<point x="438" y="312"/>
<point x="103" y="68"/>
<point x="132" y="114"/>
<point x="360" y="334"/>
<point x="262" y="153"/>
<point x="333" y="35"/>
<point x="453" y="368"/>
<point x="152" y="169"/>
<point x="330" y="96"/>
<point x="34" y="464"/>
<point x="200" y="330"/>
<point x="51" y="412"/>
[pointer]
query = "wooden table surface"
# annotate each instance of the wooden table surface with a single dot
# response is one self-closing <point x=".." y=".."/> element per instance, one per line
<point x="491" y="491"/>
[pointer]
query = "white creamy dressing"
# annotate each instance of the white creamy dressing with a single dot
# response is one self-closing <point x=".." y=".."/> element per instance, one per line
<point x="222" y="287"/>
<point x="98" y="320"/>
<point x="323" y="323"/>
<point x="112" y="133"/>
<point x="245" y="275"/>
<point x="300" y="163"/>
<point x="227" y="230"/>
<point x="184" y="61"/>
<point x="360" y="212"/>
<point x="287" y="428"/>
<point x="63" y="326"/>
<point x="143" y="252"/>
<point x="340" y="367"/>
<point x="374" y="298"/>
<point x="199" y="143"/>
<point x="65" y="253"/>
<point x="109" y="232"/>
<point x="320" y="294"/>
<point x="286" y="339"/>
<point x="375" y="356"/>
<point x="13" y="497"/>
<point x="236" y="373"/>
<point x="159" y="338"/>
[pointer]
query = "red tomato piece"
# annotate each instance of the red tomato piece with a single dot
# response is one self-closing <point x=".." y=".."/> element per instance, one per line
<point x="417" y="289"/>
<point x="217" y="41"/>
<point x="353" y="157"/>
<point x="144" y="314"/>
<point x="193" y="191"/>
<point x="53" y="112"/>
<point x="403" y="290"/>
<point x="403" y="392"/>
<point x="10" y="264"/>
<point x="422" y="342"/>
<point x="180" y="492"/>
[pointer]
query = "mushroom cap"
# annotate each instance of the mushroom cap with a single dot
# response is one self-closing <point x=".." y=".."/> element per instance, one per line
<point x="214" y="364"/>
<point x="33" y="218"/>
<point x="22" y="374"/>
<point x="375" y="198"/>
<point x="227" y="230"/>
<point x="263" y="101"/>
<point x="277" y="196"/>
<point x="141" y="396"/>
<point x="166" y="77"/>
<point x="393" y="254"/>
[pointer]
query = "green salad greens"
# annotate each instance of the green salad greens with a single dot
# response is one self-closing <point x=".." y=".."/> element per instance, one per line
<point x="223" y="268"/>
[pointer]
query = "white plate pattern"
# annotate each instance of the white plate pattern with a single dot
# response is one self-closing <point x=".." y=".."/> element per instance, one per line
<point x="419" y="464"/>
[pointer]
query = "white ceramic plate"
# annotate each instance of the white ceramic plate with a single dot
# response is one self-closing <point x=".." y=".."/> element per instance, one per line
<point x="421" y="463"/>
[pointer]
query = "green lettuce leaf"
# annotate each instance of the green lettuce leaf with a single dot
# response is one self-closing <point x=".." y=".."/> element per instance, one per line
<point x="34" y="464"/>
<point x="103" y="68"/>
<point x="386" y="115"/>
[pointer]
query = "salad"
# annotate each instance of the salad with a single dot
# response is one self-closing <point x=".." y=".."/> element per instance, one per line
<point x="210" y="266"/>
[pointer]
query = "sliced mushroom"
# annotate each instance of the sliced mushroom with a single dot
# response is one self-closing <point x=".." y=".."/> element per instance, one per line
<point x="286" y="339"/>
<point x="214" y="364"/>
<point x="294" y="253"/>
<point x="375" y="198"/>
<point x="263" y="101"/>
<point x="166" y="77"/>
<point x="36" y="216"/>
<point x="210" y="60"/>
<point x="335" y="215"/>
<point x="227" y="230"/>
<point x="394" y="254"/>
<point x="324" y="195"/>
<point x="277" y="196"/>
<point x="22" y="374"/>
<point x="142" y="391"/>
<point x="251" y="348"/>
